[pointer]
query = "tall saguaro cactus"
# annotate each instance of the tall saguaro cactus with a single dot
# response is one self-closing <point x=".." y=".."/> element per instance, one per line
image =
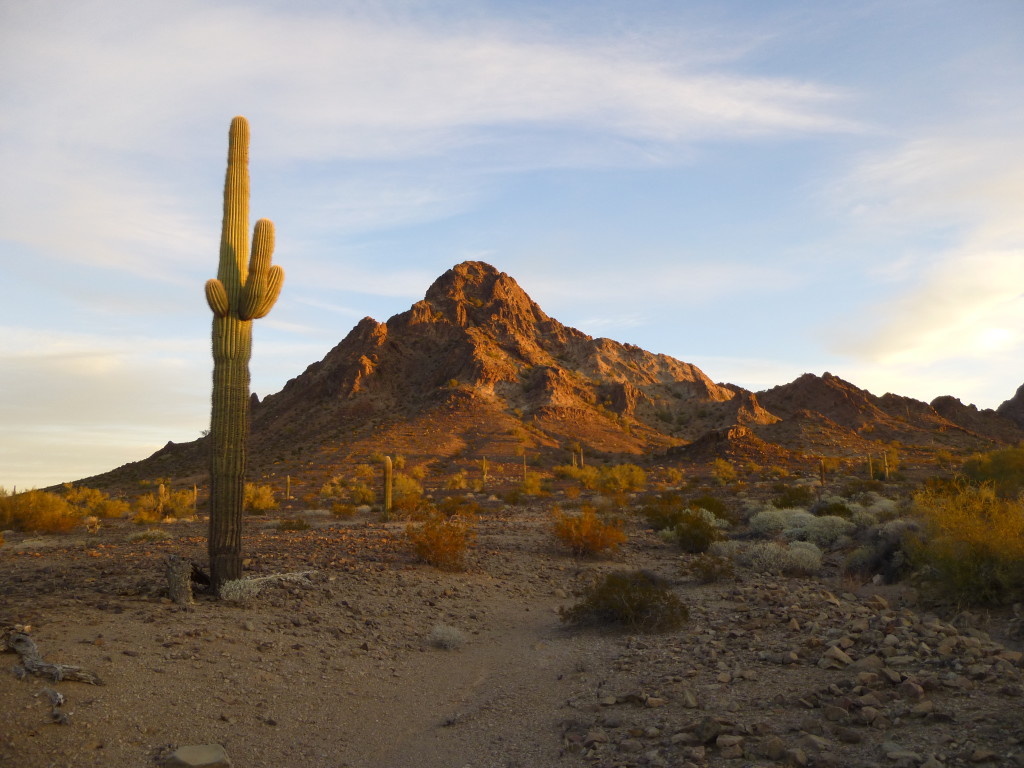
<point x="245" y="288"/>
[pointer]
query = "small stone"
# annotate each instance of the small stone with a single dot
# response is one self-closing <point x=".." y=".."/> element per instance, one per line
<point x="595" y="736"/>
<point x="689" y="699"/>
<point x="728" y="740"/>
<point x="708" y="730"/>
<point x="834" y="658"/>
<point x="847" y="735"/>
<point x="199" y="756"/>
<point x="922" y="708"/>
<point x="773" y="748"/>
<point x="982" y="755"/>
<point x="796" y="757"/>
<point x="833" y="713"/>
<point x="911" y="690"/>
<point x="653" y="702"/>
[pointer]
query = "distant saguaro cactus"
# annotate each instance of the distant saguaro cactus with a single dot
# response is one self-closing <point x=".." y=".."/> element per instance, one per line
<point x="387" y="487"/>
<point x="244" y="289"/>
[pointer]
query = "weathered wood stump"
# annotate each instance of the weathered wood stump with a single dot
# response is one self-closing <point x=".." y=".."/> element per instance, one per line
<point x="179" y="580"/>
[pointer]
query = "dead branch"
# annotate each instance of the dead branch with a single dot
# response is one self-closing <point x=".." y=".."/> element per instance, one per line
<point x="32" y="663"/>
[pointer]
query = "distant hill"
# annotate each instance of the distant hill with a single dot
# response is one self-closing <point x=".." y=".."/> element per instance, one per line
<point x="476" y="368"/>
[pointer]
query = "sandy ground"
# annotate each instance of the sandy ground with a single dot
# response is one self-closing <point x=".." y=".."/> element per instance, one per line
<point x="364" y="658"/>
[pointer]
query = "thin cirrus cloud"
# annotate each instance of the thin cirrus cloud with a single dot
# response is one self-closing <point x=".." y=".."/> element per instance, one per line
<point x="329" y="89"/>
<point x="961" y="297"/>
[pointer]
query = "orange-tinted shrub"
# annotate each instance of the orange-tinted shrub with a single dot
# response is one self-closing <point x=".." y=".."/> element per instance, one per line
<point x="586" y="533"/>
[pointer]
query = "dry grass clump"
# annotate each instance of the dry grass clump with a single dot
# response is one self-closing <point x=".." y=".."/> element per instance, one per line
<point x="708" y="569"/>
<point x="972" y="548"/>
<point x="446" y="638"/>
<point x="587" y="534"/>
<point x="292" y="524"/>
<point x="442" y="541"/>
<point x="635" y="600"/>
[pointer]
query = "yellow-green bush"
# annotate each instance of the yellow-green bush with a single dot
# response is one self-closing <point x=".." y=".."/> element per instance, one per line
<point x="621" y="478"/>
<point x="259" y="499"/>
<point x="442" y="541"/>
<point x="155" y="507"/>
<point x="587" y="534"/>
<point x="38" y="511"/>
<point x="407" y="493"/>
<point x="92" y="501"/>
<point x="972" y="546"/>
<point x="1003" y="469"/>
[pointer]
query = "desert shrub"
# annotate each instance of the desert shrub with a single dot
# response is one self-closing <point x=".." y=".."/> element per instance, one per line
<point x="38" y="511"/>
<point x="292" y="524"/>
<point x="513" y="497"/>
<point x="662" y="511"/>
<point x="973" y="544"/>
<point x="343" y="511"/>
<point x="834" y="507"/>
<point x="1004" y="469"/>
<point x="458" y="505"/>
<point x="150" y="534"/>
<point x="92" y="501"/>
<point x="707" y="568"/>
<point x="770" y="522"/>
<point x="457" y="482"/>
<point x="674" y="477"/>
<point x="407" y="493"/>
<point x="723" y="471"/>
<point x="585" y="533"/>
<point x="789" y="496"/>
<point x="855" y="487"/>
<point x="531" y="485"/>
<point x="446" y="638"/>
<point x="715" y="506"/>
<point x="636" y="600"/>
<point x="442" y="541"/>
<point x="588" y="477"/>
<point x="798" y="558"/>
<point x="883" y="551"/>
<point x="164" y="504"/>
<point x="259" y="499"/>
<point x="694" y="532"/>
<point x="802" y="558"/>
<point x="821" y="531"/>
<point x="621" y="478"/>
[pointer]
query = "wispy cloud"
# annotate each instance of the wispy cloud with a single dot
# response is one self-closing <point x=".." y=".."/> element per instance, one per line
<point x="956" y="293"/>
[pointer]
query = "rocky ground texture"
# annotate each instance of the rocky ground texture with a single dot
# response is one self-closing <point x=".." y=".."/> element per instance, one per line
<point x="351" y="654"/>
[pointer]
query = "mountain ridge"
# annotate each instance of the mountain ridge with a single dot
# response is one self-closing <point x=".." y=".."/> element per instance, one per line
<point x="477" y="368"/>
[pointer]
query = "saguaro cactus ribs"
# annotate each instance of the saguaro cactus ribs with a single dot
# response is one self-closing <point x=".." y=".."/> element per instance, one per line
<point x="242" y="292"/>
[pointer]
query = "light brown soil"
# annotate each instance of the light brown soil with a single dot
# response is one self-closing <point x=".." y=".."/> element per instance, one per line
<point x="336" y="667"/>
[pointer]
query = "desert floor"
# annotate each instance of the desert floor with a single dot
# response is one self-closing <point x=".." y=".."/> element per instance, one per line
<point x="359" y="656"/>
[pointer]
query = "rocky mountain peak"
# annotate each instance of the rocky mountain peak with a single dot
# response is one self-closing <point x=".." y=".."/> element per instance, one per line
<point x="475" y="293"/>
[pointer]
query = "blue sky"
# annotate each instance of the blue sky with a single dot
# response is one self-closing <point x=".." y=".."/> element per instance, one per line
<point x="761" y="189"/>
